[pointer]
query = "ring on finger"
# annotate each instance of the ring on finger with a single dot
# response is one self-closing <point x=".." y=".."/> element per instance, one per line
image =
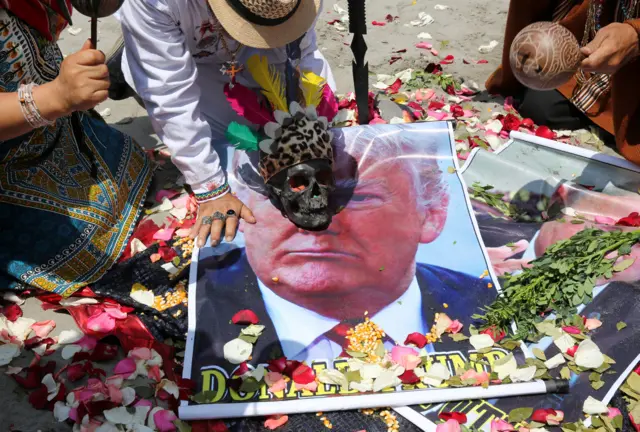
<point x="231" y="213"/>
<point x="219" y="216"/>
<point x="207" y="220"/>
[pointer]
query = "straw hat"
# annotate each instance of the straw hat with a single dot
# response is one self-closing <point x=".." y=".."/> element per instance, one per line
<point x="266" y="23"/>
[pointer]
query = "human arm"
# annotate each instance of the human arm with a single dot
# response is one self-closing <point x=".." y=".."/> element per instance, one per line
<point x="82" y="84"/>
<point x="164" y="76"/>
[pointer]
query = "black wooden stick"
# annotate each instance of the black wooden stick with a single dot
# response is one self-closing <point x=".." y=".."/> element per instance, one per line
<point x="358" y="26"/>
<point x="94" y="32"/>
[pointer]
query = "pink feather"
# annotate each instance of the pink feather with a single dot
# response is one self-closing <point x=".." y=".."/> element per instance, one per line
<point x="246" y="104"/>
<point x="329" y="104"/>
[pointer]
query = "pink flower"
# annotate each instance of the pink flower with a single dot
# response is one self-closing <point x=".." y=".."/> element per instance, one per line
<point x="480" y="377"/>
<point x="499" y="425"/>
<point x="275" y="421"/>
<point x="140" y="353"/>
<point x="604" y="220"/>
<point x="43" y="328"/>
<point x="105" y="321"/>
<point x="164" y="419"/>
<point x="312" y="386"/>
<point x="455" y="327"/>
<point x="406" y="357"/>
<point x="449" y="426"/>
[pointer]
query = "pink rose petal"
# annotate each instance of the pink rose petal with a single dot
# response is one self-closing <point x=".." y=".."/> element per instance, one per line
<point x="312" y="386"/>
<point x="141" y="353"/>
<point x="438" y="115"/>
<point x="143" y="403"/>
<point x="449" y="426"/>
<point x="613" y="413"/>
<point x="604" y="220"/>
<point x="424" y="45"/>
<point x="183" y="232"/>
<point x="455" y="327"/>
<point x="275" y="381"/>
<point x="154" y="373"/>
<point x="480" y="377"/>
<point x="164" y="419"/>
<point x="164" y="234"/>
<point x="275" y="421"/>
<point x="87" y="343"/>
<point x="43" y="328"/>
<point x="571" y="329"/>
<point x="115" y="312"/>
<point x="434" y="52"/>
<point x="101" y="323"/>
<point x="125" y="367"/>
<point x="592" y="323"/>
<point x="115" y="394"/>
<point x="499" y="425"/>
<point x="155" y="257"/>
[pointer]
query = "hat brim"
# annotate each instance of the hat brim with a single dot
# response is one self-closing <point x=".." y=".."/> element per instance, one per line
<point x="263" y="37"/>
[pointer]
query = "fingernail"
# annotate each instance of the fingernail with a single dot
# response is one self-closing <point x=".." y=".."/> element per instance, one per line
<point x="229" y="238"/>
<point x="214" y="242"/>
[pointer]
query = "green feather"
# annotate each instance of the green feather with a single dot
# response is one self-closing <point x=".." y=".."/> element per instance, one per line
<point x="242" y="137"/>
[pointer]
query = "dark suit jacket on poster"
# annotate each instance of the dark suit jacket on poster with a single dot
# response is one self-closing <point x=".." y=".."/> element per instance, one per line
<point x="227" y="284"/>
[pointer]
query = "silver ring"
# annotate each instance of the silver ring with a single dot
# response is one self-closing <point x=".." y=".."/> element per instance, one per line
<point x="219" y="216"/>
<point x="207" y="220"/>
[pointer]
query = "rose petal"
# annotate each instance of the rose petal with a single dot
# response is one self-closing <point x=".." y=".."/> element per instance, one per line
<point x="505" y="366"/>
<point x="593" y="406"/>
<point x="8" y="352"/>
<point x="417" y="339"/>
<point x="554" y="361"/>
<point x="499" y="425"/>
<point x="164" y="234"/>
<point x="457" y="416"/>
<point x="69" y="337"/>
<point x="237" y="351"/>
<point x="333" y="377"/>
<point x="125" y="367"/>
<point x="164" y="419"/>
<point x="388" y="378"/>
<point x="275" y="421"/>
<point x="481" y="341"/>
<point x="140" y="353"/>
<point x="571" y="330"/>
<point x="43" y="328"/>
<point x="448" y="426"/>
<point x="77" y="301"/>
<point x="312" y="386"/>
<point x="170" y="387"/>
<point x="101" y="323"/>
<point x="245" y="317"/>
<point x="564" y="342"/>
<point x="436" y="374"/>
<point x="303" y="374"/>
<point x="592" y="323"/>
<point x="61" y="411"/>
<point x="275" y="381"/>
<point x="523" y="375"/>
<point x="588" y="355"/>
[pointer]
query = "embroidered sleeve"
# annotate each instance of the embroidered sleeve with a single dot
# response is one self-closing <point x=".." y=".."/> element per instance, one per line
<point x="163" y="73"/>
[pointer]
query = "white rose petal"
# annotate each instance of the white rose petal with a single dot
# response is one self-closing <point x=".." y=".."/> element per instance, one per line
<point x="237" y="351"/>
<point x="588" y="355"/>
<point x="140" y="415"/>
<point x="440" y="7"/>
<point x="355" y="364"/>
<point x="523" y="375"/>
<point x="494" y="126"/>
<point x="61" y="411"/>
<point x="150" y="421"/>
<point x="40" y="349"/>
<point x="12" y="370"/>
<point x="485" y="49"/>
<point x="424" y="36"/>
<point x="145" y="297"/>
<point x="180" y="213"/>
<point x="21" y="328"/>
<point x="156" y="359"/>
<point x="77" y="301"/>
<point x="505" y="366"/>
<point x="137" y="246"/>
<point x="494" y="141"/>
<point x="481" y="341"/>
<point x="564" y="342"/>
<point x="141" y="428"/>
<point x="7" y="353"/>
<point x="12" y="297"/>
<point x="380" y="86"/>
<point x="119" y="415"/>
<point x="362" y="386"/>
<point x="404" y="76"/>
<point x="333" y="377"/>
<point x="51" y="385"/>
<point x="258" y="373"/>
<point x="129" y="395"/>
<point x="594" y="406"/>
<point x="387" y="378"/>
<point x="555" y="361"/>
<point x="436" y="374"/>
<point x="370" y="371"/>
<point x="69" y="336"/>
<point x="253" y="330"/>
<point x="170" y="268"/>
<point x="107" y="427"/>
<point x="166" y="205"/>
<point x="538" y="430"/>
<point x="70" y="350"/>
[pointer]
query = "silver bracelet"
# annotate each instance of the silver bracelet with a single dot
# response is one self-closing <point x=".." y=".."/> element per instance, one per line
<point x="29" y="108"/>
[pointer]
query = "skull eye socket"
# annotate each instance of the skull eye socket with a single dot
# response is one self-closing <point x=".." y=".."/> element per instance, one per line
<point x="325" y="177"/>
<point x="298" y="183"/>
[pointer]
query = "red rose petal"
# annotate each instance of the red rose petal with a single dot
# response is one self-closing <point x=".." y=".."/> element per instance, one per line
<point x="245" y="317"/>
<point x="243" y="368"/>
<point x="379" y="24"/>
<point x="104" y="352"/>
<point x="571" y="329"/>
<point x="409" y="377"/>
<point x="278" y="365"/>
<point x="457" y="416"/>
<point x="540" y="415"/>
<point x="417" y="339"/>
<point x="447" y="60"/>
<point x="303" y="374"/>
<point x="435" y="105"/>
<point x="395" y="87"/>
<point x="511" y="123"/>
<point x="38" y="398"/>
<point x="391" y="18"/>
<point x="12" y="312"/>
<point x="545" y="132"/>
<point x="292" y="365"/>
<point x="457" y="111"/>
<point x="394" y="59"/>
<point x="491" y="331"/>
<point x="482" y="62"/>
<point x="633" y="220"/>
<point x="167" y="253"/>
<point x="572" y="351"/>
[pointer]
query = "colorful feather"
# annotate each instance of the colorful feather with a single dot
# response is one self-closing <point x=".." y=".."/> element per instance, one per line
<point x="269" y="80"/>
<point x="328" y="106"/>
<point x="245" y="103"/>
<point x="312" y="88"/>
<point x="291" y="73"/>
<point x="242" y="137"/>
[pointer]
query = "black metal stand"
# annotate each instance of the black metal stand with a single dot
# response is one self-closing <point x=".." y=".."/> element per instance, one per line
<point x="94" y="32"/>
<point x="358" y="26"/>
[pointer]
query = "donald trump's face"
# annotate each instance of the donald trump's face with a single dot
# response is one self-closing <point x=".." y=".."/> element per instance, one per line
<point x="367" y="255"/>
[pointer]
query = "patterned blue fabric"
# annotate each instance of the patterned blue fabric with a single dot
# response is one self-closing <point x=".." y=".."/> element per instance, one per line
<point x="70" y="194"/>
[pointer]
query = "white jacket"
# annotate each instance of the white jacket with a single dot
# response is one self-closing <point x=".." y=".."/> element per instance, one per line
<point x="172" y="59"/>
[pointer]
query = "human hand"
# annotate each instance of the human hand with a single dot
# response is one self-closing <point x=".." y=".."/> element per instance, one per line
<point x="83" y="81"/>
<point x="614" y="46"/>
<point x="222" y="205"/>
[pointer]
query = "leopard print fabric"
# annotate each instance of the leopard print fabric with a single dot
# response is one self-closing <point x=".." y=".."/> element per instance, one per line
<point x="301" y="141"/>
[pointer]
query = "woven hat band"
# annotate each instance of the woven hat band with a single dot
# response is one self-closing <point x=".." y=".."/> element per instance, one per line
<point x="257" y="12"/>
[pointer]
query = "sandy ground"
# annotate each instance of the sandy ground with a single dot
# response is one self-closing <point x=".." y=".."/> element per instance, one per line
<point x="459" y="29"/>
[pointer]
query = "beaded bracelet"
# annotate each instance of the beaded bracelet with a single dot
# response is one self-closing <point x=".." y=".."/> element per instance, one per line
<point x="29" y="108"/>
